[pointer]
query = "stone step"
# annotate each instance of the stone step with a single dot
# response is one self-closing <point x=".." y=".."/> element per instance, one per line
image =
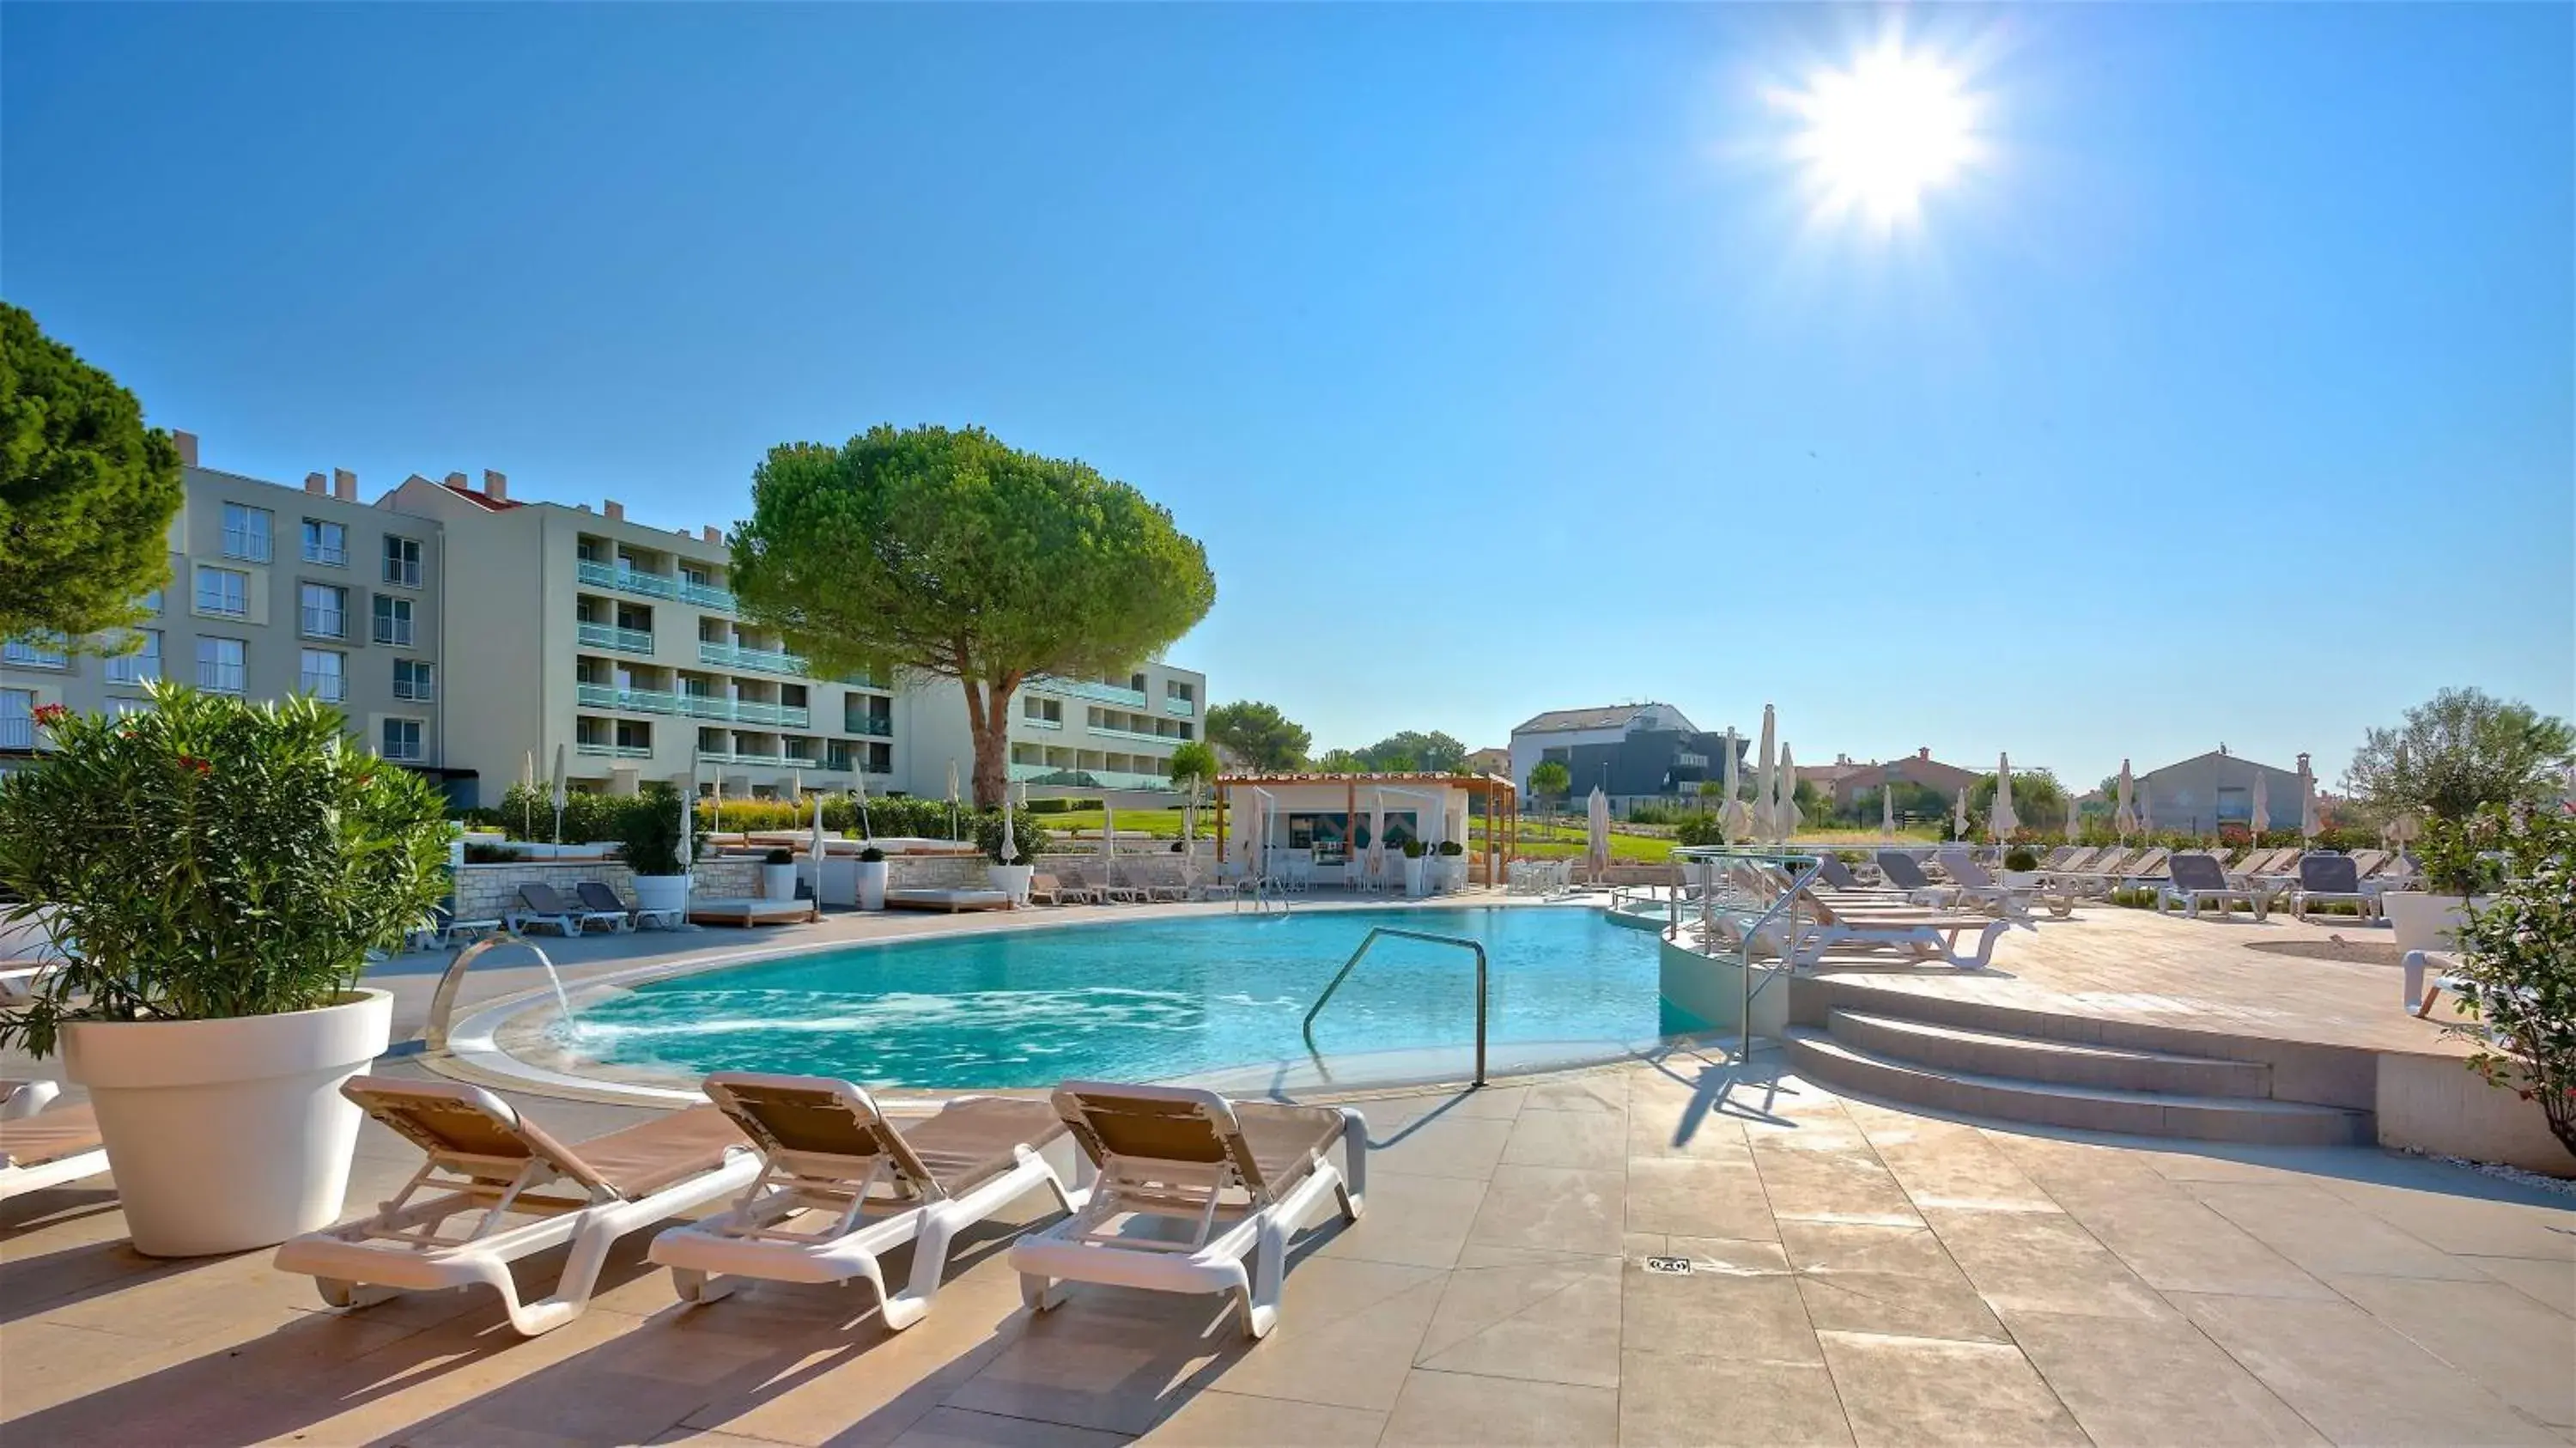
<point x="2028" y="1058"/>
<point x="1834" y="1063"/>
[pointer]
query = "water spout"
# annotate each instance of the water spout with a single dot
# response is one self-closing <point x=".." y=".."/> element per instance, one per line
<point x="443" y="1003"/>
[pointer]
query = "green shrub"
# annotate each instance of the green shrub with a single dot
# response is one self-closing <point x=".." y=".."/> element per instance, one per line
<point x="1451" y="849"/>
<point x="1025" y="833"/>
<point x="648" y="831"/>
<point x="1413" y="849"/>
<point x="2134" y="899"/>
<point x="1699" y="830"/>
<point x="209" y="858"/>
<point x="478" y="853"/>
<point x="2019" y="857"/>
<point x="2518" y="972"/>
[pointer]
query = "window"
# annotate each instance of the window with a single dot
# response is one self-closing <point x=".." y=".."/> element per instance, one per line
<point x="223" y="592"/>
<point x="402" y="739"/>
<point x="151" y="601"/>
<point x="323" y="611"/>
<point x="413" y="680"/>
<point x="326" y="543"/>
<point x="36" y="651"/>
<point x="402" y="561"/>
<point x="1043" y="711"/>
<point x="17" y="718"/>
<point x="1174" y="689"/>
<point x="246" y="532"/>
<point x="393" y="621"/>
<point x="219" y="665"/>
<point x="141" y="666"/>
<point x="322" y="675"/>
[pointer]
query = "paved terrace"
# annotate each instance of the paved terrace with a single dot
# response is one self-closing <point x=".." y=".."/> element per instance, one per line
<point x="1856" y="1275"/>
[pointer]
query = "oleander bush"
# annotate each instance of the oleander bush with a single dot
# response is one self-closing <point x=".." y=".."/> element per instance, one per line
<point x="2518" y="970"/>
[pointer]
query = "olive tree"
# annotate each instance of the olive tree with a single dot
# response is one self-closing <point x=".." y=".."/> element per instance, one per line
<point x="942" y="553"/>
<point x="86" y="490"/>
<point x="2458" y="751"/>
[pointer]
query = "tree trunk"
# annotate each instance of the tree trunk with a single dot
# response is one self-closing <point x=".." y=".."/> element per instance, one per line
<point x="988" y="719"/>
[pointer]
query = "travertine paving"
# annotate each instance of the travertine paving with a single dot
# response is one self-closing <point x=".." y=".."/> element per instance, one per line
<point x="1680" y="1251"/>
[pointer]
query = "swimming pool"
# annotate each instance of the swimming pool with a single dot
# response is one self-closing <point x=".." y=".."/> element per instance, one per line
<point x="1147" y="1000"/>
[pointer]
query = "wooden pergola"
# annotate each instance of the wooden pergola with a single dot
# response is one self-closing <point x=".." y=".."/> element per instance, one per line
<point x="1502" y="803"/>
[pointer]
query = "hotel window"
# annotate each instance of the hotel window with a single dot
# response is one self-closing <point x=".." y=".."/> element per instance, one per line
<point x="402" y="561"/>
<point x="1175" y="689"/>
<point x="326" y="543"/>
<point x="323" y="611"/>
<point x="393" y="621"/>
<point x="401" y="739"/>
<point x="321" y="676"/>
<point x="17" y="718"/>
<point x="246" y="532"/>
<point x="1043" y="711"/>
<point x="151" y="602"/>
<point x="219" y="665"/>
<point x="414" y="680"/>
<point x="39" y="650"/>
<point x="223" y="592"/>
<point x="141" y="666"/>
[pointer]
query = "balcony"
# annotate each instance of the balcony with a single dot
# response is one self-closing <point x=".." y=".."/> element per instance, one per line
<point x="325" y="554"/>
<point x="613" y="751"/>
<point x="33" y="655"/>
<point x="743" y="711"/>
<point x="1179" y="708"/>
<point x="766" y="761"/>
<point x="1088" y="778"/>
<point x="324" y="623"/>
<point x="610" y="636"/>
<point x="1035" y="722"/>
<point x="706" y="595"/>
<point x="1091" y="689"/>
<point x="1168" y="741"/>
<point x="248" y="544"/>
<point x="326" y="687"/>
<point x="734" y="656"/>
<point x="634" y="701"/>
<point x="626" y="580"/>
<point x="877" y="726"/>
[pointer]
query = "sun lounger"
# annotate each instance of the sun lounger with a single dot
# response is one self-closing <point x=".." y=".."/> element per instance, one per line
<point x="2197" y="880"/>
<point x="1904" y="873"/>
<point x="1239" y="1178"/>
<point x="1046" y="889"/>
<point x="542" y="906"/>
<point x="840" y="1186"/>
<point x="496" y="1165"/>
<point x="747" y="911"/>
<point x="952" y="901"/>
<point x="1821" y="922"/>
<point x="599" y="898"/>
<point x="40" y="1148"/>
<point x="2147" y="870"/>
<point x="1978" y="887"/>
<point x="2326" y="879"/>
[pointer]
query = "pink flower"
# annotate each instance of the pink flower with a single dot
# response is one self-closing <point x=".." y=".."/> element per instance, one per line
<point x="49" y="715"/>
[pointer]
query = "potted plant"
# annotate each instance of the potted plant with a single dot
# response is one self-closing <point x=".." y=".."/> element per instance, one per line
<point x="215" y="873"/>
<point x="2517" y="972"/>
<point x="2456" y="872"/>
<point x="1413" y="867"/>
<point x="778" y="875"/>
<point x="2021" y="867"/>
<point x="648" y="834"/>
<point x="1453" y="865"/>
<point x="872" y="878"/>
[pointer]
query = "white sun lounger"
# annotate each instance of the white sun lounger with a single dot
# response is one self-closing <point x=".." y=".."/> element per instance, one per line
<point x="1979" y="887"/>
<point x="40" y="1148"/>
<point x="1238" y="1177"/>
<point x="2199" y="880"/>
<point x="495" y="1164"/>
<point x="840" y="1186"/>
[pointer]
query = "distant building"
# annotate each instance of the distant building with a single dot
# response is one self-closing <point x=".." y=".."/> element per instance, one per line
<point x="1847" y="777"/>
<point x="2199" y="794"/>
<point x="1633" y="753"/>
<point x="1497" y="760"/>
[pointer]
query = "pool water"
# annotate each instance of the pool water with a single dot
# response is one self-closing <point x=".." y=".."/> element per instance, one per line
<point x="1142" y="1001"/>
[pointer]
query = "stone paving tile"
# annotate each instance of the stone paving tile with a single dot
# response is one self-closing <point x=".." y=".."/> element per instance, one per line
<point x="1688" y="1125"/>
<point x="1830" y="1183"/>
<point x="1513" y="1314"/>
<point x="1565" y="1138"/>
<point x="956" y="1428"/>
<point x="1217" y="1419"/>
<point x="2550" y="1283"/>
<point x="2323" y="1233"/>
<point x="2177" y="1243"/>
<point x="1444" y="1146"/>
<point x="1913" y="1391"/>
<point x="1599" y="1091"/>
<point x="1721" y="1401"/>
<point x="1943" y="1164"/>
<point x="1415" y="1221"/>
<point x="2042" y="1262"/>
<point x="1895" y="1281"/>
<point x="1740" y="1298"/>
<point x="2517" y="1349"/>
<point x="2355" y="1378"/>
<point x="1438" y="1410"/>
<point x="2150" y="1382"/>
<point x="1689" y="1197"/>
<point x="2460" y="1223"/>
<point x="1110" y="1360"/>
<point x="1552" y="1209"/>
<point x="1347" y="1334"/>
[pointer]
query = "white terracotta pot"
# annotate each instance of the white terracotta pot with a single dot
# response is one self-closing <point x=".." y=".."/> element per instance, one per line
<point x="1413" y="876"/>
<point x="662" y="892"/>
<point x="1012" y="880"/>
<point x="778" y="882"/>
<point x="872" y="884"/>
<point x="230" y="1134"/>
<point x="2422" y="920"/>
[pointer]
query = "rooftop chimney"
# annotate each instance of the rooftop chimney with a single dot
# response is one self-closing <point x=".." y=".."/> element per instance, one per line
<point x="712" y="535"/>
<point x="495" y="486"/>
<point x="456" y="481"/>
<point x="344" y="485"/>
<point x="614" y="509"/>
<point x="316" y="483"/>
<point x="187" y="443"/>
<point x="1924" y="753"/>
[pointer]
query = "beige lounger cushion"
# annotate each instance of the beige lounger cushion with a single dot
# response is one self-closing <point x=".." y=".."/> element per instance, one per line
<point x="49" y="1137"/>
<point x="971" y="1142"/>
<point x="635" y="1162"/>
<point x="1287" y="1140"/>
<point x="1278" y="1142"/>
<point x="641" y="1160"/>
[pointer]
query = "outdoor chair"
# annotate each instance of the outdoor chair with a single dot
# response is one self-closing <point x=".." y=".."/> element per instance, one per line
<point x="41" y="1148"/>
<point x="840" y="1185"/>
<point x="1904" y="873"/>
<point x="2327" y="879"/>
<point x="487" y="1164"/>
<point x="597" y="897"/>
<point x="2198" y="880"/>
<point x="1979" y="887"/>
<point x="1239" y="1177"/>
<point x="544" y="907"/>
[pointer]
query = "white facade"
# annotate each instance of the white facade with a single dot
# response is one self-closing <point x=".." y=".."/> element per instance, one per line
<point x="1565" y="728"/>
<point x="1067" y="736"/>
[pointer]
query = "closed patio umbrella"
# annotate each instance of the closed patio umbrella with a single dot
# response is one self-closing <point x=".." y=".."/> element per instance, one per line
<point x="2259" y="818"/>
<point x="1733" y="822"/>
<point x="2310" y="826"/>
<point x="1010" y="840"/>
<point x="1596" y="812"/>
<point x="2147" y="807"/>
<point x="562" y="792"/>
<point x="2124" y="817"/>
<point x="1763" y="779"/>
<point x="2001" y="818"/>
<point x="2074" y="818"/>
<point x="1784" y="809"/>
<point x="867" y="830"/>
<point x="814" y="847"/>
<point x="952" y="800"/>
<point x="1377" y="834"/>
<point x="1108" y="832"/>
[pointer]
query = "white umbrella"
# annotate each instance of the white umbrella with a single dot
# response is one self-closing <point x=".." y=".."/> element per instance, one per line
<point x="2146" y="807"/>
<point x="1763" y="779"/>
<point x="1887" y="808"/>
<point x="2309" y="825"/>
<point x="1189" y="825"/>
<point x="1597" y="814"/>
<point x="1377" y="833"/>
<point x="1733" y="822"/>
<point x="816" y="849"/>
<point x="2001" y="818"/>
<point x="688" y="816"/>
<point x="952" y="799"/>
<point x="1108" y="833"/>
<point x="2403" y="829"/>
<point x="719" y="784"/>
<point x="2074" y="818"/>
<point x="867" y="830"/>
<point x="1010" y="838"/>
<point x="1959" y="818"/>
<point x="2259" y="818"/>
<point x="528" y="826"/>
<point x="562" y="792"/>
<point x="2124" y="818"/>
<point x="1784" y="810"/>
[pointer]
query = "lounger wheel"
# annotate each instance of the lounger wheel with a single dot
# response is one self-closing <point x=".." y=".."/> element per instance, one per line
<point x="1040" y="1293"/>
<point x="341" y="1292"/>
<point x="698" y="1288"/>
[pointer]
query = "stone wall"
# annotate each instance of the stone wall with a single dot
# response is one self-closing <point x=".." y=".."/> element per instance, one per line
<point x="487" y="892"/>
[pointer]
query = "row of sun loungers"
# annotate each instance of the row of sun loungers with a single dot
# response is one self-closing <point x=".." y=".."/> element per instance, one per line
<point x="825" y="1183"/>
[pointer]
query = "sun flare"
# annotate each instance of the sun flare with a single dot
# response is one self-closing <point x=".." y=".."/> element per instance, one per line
<point x="1876" y="137"/>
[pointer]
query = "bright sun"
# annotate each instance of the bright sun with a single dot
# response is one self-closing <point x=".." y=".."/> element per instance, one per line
<point x="1878" y="136"/>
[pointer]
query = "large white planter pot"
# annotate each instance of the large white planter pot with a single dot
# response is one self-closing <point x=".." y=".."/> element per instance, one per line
<point x="1012" y="880"/>
<point x="2422" y="920"/>
<point x="778" y="882"/>
<point x="231" y="1134"/>
<point x="872" y="884"/>
<point x="662" y="892"/>
<point x="1413" y="877"/>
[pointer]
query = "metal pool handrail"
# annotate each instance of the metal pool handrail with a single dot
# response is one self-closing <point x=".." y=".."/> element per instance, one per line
<point x="442" y="1002"/>
<point x="1372" y="939"/>
<point x="1810" y="866"/>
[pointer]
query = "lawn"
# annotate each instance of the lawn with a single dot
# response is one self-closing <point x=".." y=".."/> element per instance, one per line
<point x="1539" y="838"/>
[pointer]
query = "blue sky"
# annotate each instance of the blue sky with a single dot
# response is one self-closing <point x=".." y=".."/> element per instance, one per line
<point x="1496" y="354"/>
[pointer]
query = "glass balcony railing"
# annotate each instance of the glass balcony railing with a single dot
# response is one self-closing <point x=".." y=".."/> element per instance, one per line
<point x="1168" y="741"/>
<point x="625" y="580"/>
<point x="1091" y="689"/>
<point x="610" y="636"/>
<point x="637" y="701"/>
<point x="743" y="711"/>
<point x="1179" y="708"/>
<point x="613" y="751"/>
<point x="1036" y="722"/>
<point x="1088" y="778"/>
<point x="328" y="688"/>
<point x="876" y="725"/>
<point x="706" y="595"/>
<point x="735" y="656"/>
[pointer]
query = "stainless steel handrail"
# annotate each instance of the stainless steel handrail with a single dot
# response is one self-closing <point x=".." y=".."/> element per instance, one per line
<point x="1372" y="938"/>
<point x="1808" y="867"/>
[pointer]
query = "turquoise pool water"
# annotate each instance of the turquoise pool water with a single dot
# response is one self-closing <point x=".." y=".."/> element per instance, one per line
<point x="1141" y="1001"/>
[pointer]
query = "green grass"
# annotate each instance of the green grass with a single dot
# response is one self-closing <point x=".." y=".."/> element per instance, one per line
<point x="1539" y="839"/>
